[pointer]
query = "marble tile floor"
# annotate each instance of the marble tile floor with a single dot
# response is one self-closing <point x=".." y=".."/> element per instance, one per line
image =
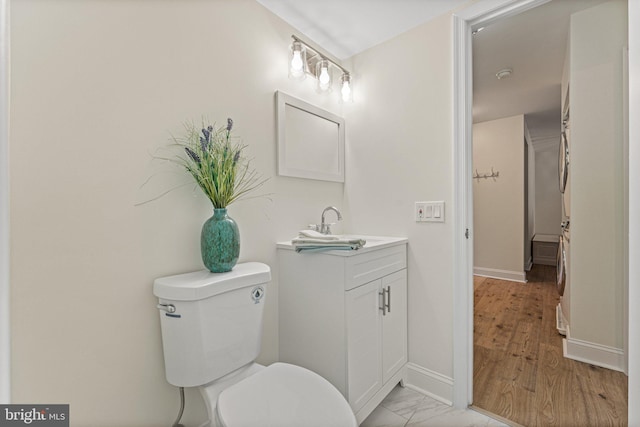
<point x="404" y="407"/>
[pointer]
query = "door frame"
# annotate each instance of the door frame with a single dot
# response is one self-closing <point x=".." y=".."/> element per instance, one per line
<point x="477" y="15"/>
<point x="633" y="292"/>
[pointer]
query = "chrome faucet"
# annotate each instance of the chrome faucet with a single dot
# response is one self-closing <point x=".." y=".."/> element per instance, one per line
<point x="325" y="228"/>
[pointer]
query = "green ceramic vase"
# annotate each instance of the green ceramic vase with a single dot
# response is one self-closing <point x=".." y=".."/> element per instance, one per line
<point x="220" y="242"/>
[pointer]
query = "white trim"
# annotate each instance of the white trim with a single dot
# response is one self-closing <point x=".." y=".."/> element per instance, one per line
<point x="634" y="214"/>
<point x="463" y="216"/>
<point x="480" y="13"/>
<point x="494" y="273"/>
<point x="592" y="353"/>
<point x="429" y="383"/>
<point x="485" y="12"/>
<point x="529" y="264"/>
<point x="5" y="338"/>
<point x="625" y="209"/>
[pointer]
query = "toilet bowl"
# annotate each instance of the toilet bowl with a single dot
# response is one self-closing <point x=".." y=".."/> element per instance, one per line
<point x="211" y="331"/>
<point x="283" y="395"/>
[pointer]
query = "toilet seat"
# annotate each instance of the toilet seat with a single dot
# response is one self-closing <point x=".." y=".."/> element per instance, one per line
<point x="283" y="395"/>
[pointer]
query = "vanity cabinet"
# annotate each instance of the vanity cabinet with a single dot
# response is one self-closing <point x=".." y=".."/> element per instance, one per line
<point x="343" y="314"/>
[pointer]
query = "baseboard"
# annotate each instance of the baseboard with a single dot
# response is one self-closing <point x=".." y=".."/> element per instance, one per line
<point x="430" y="383"/>
<point x="529" y="264"/>
<point x="513" y="276"/>
<point x="592" y="353"/>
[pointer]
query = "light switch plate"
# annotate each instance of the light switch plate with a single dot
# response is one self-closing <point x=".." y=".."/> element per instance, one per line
<point x="429" y="211"/>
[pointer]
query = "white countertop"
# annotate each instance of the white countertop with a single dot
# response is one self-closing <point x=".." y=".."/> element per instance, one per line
<point x="373" y="243"/>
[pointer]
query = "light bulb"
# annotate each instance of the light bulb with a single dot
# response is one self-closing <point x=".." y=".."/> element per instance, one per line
<point x="346" y="91"/>
<point x="324" y="76"/>
<point x="298" y="57"/>
<point x="296" y="63"/>
<point x="346" y="88"/>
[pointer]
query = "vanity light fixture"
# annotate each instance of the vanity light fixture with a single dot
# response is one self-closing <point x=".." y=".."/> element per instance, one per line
<point x="304" y="60"/>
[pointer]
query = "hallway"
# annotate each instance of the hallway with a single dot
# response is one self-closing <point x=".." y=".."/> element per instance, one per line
<point x="519" y="371"/>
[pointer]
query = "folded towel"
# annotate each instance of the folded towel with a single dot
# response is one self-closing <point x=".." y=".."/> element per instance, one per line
<point x="315" y="248"/>
<point x="309" y="240"/>
<point x="316" y="235"/>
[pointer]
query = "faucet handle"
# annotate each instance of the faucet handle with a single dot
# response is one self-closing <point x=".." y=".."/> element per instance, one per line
<point x="326" y="227"/>
<point x="314" y="227"/>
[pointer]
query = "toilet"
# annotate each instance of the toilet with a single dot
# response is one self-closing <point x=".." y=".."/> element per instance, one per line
<point x="211" y="331"/>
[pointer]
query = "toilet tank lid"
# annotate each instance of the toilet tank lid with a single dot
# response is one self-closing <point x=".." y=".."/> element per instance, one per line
<point x="204" y="284"/>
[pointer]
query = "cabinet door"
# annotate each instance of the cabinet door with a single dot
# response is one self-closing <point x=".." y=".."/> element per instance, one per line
<point x="364" y="343"/>
<point x="394" y="324"/>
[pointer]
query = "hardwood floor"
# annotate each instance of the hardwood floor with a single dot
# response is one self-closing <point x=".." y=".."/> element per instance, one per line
<point x="519" y="371"/>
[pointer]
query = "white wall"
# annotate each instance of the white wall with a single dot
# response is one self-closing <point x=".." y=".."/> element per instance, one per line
<point x="97" y="85"/>
<point x="548" y="196"/>
<point x="107" y="332"/>
<point x="597" y="37"/>
<point x="399" y="152"/>
<point x="498" y="204"/>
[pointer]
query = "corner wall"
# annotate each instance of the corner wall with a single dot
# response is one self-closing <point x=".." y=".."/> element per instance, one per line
<point x="498" y="203"/>
<point x="400" y="151"/>
<point x="597" y="312"/>
<point x="597" y="37"/>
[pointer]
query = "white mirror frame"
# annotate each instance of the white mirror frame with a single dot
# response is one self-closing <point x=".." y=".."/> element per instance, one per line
<point x="291" y="144"/>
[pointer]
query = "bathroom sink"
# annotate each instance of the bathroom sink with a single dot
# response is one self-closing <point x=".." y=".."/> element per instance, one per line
<point x="373" y="242"/>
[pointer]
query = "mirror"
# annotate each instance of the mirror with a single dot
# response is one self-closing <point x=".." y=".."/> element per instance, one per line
<point x="310" y="140"/>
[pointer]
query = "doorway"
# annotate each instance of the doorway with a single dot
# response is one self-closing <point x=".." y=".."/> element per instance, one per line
<point x="465" y="21"/>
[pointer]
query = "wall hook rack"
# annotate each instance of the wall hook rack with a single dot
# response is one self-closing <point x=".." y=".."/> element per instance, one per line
<point x="493" y="175"/>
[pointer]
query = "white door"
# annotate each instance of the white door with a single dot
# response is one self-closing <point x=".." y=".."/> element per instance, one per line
<point x="394" y="324"/>
<point x="364" y="343"/>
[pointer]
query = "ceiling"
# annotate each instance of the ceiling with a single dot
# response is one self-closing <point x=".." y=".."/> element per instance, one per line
<point x="532" y="44"/>
<point x="347" y="27"/>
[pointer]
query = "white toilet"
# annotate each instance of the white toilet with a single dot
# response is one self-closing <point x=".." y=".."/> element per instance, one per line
<point x="211" y="330"/>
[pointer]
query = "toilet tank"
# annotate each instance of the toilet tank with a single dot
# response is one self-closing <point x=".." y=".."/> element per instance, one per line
<point x="211" y="322"/>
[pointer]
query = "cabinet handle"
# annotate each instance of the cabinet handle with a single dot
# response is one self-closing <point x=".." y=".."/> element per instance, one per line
<point x="384" y="306"/>
<point x="388" y="304"/>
